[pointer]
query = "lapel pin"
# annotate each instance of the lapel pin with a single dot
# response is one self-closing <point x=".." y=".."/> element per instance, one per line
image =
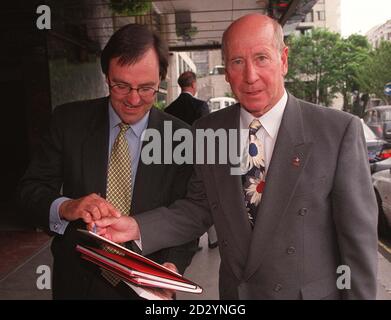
<point x="296" y="162"/>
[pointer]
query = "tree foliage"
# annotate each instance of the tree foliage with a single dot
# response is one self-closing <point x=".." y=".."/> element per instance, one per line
<point x="376" y="71"/>
<point x="130" y="7"/>
<point x="322" y="64"/>
<point x="312" y="72"/>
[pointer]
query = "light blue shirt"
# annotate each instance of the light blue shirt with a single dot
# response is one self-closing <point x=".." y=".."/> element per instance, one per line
<point x="133" y="136"/>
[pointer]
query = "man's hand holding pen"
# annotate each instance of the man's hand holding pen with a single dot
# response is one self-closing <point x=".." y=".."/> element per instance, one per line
<point x="123" y="229"/>
<point x="117" y="229"/>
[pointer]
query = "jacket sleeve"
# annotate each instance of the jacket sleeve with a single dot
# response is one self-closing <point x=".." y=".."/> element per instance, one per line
<point x="42" y="182"/>
<point x="181" y="255"/>
<point x="184" y="220"/>
<point x="355" y="213"/>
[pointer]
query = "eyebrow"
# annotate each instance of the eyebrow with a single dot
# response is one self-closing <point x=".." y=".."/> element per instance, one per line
<point x="146" y="84"/>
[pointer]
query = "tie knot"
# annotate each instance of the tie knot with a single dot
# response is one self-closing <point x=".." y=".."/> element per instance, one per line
<point x="254" y="126"/>
<point x="123" y="127"/>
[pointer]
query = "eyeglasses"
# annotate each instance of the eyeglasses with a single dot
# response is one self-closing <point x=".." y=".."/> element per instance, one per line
<point x="125" y="89"/>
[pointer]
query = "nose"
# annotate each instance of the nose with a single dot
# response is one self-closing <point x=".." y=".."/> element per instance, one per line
<point x="133" y="98"/>
<point x="250" y="73"/>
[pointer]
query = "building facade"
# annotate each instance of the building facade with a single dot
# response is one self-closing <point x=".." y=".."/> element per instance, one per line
<point x="379" y="34"/>
<point x="324" y="14"/>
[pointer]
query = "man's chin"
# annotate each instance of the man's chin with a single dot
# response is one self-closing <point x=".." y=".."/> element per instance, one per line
<point x="255" y="109"/>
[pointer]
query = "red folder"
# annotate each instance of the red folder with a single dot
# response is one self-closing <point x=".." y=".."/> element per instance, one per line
<point x="132" y="267"/>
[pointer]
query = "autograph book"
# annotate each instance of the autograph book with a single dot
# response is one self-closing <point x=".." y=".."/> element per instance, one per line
<point x="130" y="266"/>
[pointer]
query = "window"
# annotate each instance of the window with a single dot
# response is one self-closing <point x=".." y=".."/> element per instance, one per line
<point x="217" y="70"/>
<point x="386" y="115"/>
<point x="309" y="17"/>
<point x="180" y="65"/>
<point x="321" y="15"/>
<point x="368" y="133"/>
<point x="373" y="117"/>
<point x="216" y="105"/>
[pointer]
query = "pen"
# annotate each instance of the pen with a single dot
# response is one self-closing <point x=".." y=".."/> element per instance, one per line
<point x="94" y="226"/>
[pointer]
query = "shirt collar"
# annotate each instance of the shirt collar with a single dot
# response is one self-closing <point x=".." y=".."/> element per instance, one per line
<point x="270" y="121"/>
<point x="187" y="93"/>
<point x="137" y="127"/>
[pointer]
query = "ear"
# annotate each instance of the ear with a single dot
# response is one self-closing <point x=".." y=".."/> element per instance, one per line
<point x="284" y="61"/>
<point x="226" y="74"/>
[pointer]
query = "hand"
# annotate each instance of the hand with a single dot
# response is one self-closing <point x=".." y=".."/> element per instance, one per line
<point x="89" y="208"/>
<point x="118" y="230"/>
<point x="166" y="294"/>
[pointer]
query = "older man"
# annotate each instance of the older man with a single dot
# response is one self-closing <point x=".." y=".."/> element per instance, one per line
<point x="304" y="211"/>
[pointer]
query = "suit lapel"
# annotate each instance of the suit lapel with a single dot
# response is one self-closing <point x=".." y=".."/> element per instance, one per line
<point x="281" y="181"/>
<point x="95" y="151"/>
<point x="146" y="173"/>
<point x="231" y="199"/>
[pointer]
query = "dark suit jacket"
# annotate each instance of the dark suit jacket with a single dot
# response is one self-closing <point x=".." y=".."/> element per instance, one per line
<point x="187" y="108"/>
<point x="312" y="218"/>
<point x="74" y="156"/>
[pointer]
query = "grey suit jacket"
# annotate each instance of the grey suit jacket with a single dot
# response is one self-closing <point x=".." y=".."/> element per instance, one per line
<point x="312" y="218"/>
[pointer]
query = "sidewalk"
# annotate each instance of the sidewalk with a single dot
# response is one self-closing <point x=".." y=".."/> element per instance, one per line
<point x="20" y="283"/>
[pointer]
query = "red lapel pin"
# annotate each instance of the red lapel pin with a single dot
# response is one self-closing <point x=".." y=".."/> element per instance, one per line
<point x="296" y="162"/>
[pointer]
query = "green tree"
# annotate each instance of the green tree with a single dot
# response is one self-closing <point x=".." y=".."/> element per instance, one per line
<point x="322" y="64"/>
<point x="313" y="73"/>
<point x="161" y="104"/>
<point x="376" y="71"/>
<point x="350" y="54"/>
<point x="130" y="7"/>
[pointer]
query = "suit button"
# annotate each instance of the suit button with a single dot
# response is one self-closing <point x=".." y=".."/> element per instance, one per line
<point x="278" y="287"/>
<point x="303" y="211"/>
<point x="214" y="206"/>
<point x="291" y="250"/>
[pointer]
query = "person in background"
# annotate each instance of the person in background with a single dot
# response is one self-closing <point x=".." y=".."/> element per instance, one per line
<point x="187" y="107"/>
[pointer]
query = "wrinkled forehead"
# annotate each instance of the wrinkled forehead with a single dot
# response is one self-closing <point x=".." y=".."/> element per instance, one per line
<point x="245" y="36"/>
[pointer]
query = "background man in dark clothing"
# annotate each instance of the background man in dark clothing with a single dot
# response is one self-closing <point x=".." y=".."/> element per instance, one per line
<point x="186" y="107"/>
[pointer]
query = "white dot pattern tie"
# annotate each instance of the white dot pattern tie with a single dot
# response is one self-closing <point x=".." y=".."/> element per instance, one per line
<point x="254" y="180"/>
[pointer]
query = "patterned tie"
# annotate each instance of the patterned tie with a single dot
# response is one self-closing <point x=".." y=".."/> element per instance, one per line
<point x="254" y="180"/>
<point x="119" y="185"/>
<point x="119" y="177"/>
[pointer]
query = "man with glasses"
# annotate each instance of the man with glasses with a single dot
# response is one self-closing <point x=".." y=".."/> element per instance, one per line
<point x="89" y="167"/>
